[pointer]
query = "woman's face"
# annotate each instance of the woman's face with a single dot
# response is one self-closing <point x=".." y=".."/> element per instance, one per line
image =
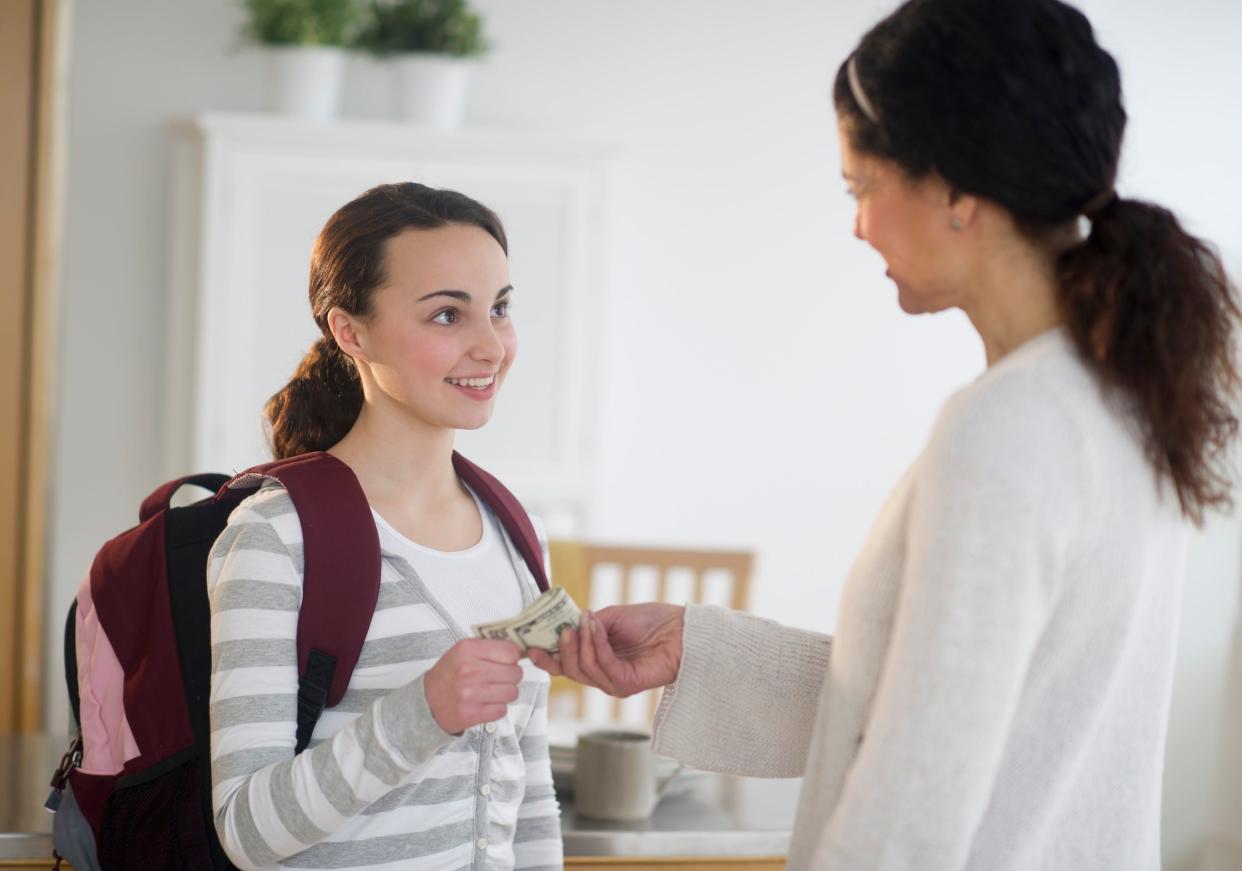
<point x="909" y="224"/>
<point x="439" y="340"/>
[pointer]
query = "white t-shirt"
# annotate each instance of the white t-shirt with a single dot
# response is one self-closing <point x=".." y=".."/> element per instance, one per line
<point x="475" y="585"/>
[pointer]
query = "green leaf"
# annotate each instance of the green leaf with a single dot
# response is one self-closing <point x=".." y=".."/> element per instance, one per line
<point x="439" y="26"/>
<point x="302" y="22"/>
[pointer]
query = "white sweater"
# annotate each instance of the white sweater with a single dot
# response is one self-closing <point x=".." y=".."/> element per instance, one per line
<point x="996" y="695"/>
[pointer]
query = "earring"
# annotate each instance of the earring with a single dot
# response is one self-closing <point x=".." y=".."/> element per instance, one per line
<point x="955" y="223"/>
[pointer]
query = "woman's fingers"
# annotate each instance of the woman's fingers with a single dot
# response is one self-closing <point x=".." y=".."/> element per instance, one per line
<point x="546" y="661"/>
<point x="588" y="659"/>
<point x="568" y="655"/>
<point x="607" y="659"/>
<point x="585" y="656"/>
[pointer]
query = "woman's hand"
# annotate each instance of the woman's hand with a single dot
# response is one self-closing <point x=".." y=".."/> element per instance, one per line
<point x="472" y="683"/>
<point x="622" y="649"/>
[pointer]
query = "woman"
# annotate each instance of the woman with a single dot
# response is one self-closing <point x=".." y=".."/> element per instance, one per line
<point x="436" y="756"/>
<point x="996" y="694"/>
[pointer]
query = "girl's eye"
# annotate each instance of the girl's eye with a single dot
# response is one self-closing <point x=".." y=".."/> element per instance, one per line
<point x="447" y="317"/>
<point x="501" y="309"/>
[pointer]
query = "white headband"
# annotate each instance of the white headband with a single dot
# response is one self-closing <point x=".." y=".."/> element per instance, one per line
<point x="860" y="96"/>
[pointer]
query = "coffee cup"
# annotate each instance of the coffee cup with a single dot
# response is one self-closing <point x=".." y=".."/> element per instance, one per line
<point x="615" y="776"/>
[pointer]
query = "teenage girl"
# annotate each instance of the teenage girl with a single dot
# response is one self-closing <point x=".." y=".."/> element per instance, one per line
<point x="436" y="757"/>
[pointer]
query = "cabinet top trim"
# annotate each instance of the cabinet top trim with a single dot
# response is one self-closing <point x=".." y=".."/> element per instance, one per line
<point x="268" y="128"/>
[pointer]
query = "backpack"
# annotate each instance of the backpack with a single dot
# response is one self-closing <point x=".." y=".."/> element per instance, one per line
<point x="138" y="653"/>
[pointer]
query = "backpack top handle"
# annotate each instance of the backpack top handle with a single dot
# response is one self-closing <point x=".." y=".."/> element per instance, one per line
<point x="159" y="498"/>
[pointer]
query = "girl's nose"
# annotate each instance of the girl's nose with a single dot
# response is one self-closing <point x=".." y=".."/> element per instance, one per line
<point x="487" y="344"/>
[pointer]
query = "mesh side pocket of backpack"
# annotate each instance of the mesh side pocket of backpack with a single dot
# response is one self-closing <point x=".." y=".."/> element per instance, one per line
<point x="157" y="823"/>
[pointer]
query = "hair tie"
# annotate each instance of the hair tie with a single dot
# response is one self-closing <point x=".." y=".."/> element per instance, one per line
<point x="1099" y="203"/>
<point x="856" y="89"/>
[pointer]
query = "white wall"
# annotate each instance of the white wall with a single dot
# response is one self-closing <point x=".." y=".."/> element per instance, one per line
<point x="759" y="386"/>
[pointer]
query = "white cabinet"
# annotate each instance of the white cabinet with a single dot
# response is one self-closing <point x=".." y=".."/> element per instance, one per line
<point x="250" y="194"/>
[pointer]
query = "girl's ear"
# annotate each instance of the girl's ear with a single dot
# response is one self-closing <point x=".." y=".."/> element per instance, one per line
<point x="349" y="332"/>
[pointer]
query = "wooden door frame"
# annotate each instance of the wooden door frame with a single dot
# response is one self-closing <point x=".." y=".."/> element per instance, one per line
<point x="33" y="63"/>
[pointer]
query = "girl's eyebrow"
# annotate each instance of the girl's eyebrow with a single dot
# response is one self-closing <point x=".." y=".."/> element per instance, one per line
<point x="461" y="295"/>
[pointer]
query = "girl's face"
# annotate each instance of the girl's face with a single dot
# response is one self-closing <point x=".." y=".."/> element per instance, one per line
<point x="439" y="340"/>
<point x="909" y="224"/>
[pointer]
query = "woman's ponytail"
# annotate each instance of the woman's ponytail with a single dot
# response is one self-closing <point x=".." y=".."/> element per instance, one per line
<point x="318" y="406"/>
<point x="1151" y="306"/>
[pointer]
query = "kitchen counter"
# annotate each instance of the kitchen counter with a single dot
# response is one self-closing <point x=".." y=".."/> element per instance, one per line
<point x="714" y="821"/>
<point x="717" y="816"/>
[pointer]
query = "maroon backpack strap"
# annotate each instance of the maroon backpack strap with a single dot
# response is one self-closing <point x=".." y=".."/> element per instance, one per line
<point x="341" y="556"/>
<point x="509" y="511"/>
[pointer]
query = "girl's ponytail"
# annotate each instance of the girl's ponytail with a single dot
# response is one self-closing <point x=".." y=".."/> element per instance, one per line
<point x="318" y="406"/>
<point x="1150" y="305"/>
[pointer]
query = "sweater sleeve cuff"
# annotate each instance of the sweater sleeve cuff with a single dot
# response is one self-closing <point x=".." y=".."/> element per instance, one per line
<point x="407" y="722"/>
<point x="746" y="695"/>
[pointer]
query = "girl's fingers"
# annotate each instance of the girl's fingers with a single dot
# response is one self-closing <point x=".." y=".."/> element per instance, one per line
<point x="491" y="712"/>
<point x="492" y="650"/>
<point x="496" y="673"/>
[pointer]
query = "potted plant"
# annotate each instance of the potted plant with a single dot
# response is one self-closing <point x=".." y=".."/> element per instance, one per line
<point x="306" y="40"/>
<point x="430" y="45"/>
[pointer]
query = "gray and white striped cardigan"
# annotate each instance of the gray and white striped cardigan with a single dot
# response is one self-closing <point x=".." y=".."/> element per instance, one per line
<point x="381" y="785"/>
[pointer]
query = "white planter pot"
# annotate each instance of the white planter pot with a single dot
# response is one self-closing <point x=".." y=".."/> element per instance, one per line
<point x="430" y="89"/>
<point x="307" y="80"/>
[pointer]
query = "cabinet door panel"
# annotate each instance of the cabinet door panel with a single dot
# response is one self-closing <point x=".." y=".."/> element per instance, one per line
<point x="261" y="194"/>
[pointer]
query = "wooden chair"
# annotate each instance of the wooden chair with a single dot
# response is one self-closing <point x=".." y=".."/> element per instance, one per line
<point x="578" y="566"/>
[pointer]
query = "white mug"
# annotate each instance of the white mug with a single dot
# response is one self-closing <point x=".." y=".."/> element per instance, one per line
<point x="615" y="778"/>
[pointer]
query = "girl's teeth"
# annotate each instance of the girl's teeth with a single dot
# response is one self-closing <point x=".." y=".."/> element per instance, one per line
<point x="476" y="383"/>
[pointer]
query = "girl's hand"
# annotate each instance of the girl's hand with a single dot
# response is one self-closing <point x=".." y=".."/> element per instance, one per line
<point x="622" y="649"/>
<point x="472" y="683"/>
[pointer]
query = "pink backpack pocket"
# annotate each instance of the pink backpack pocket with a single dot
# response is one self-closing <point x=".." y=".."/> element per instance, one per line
<point x="107" y="741"/>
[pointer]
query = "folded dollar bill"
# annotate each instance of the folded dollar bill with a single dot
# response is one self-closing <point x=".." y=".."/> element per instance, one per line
<point x="539" y="625"/>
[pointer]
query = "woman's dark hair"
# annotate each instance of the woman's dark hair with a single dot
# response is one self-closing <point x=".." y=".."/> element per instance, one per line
<point x="1016" y="103"/>
<point x="348" y="263"/>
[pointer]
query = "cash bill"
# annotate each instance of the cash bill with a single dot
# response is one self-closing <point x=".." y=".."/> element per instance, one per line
<point x="539" y="625"/>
